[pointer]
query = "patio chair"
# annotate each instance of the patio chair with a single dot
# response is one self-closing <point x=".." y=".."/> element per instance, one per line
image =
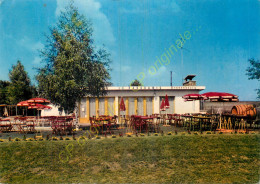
<point x="95" y="125"/>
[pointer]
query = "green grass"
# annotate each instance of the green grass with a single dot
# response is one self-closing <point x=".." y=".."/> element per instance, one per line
<point x="150" y="159"/>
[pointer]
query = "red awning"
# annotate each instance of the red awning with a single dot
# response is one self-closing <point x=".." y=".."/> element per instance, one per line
<point x="190" y="97"/>
<point x="38" y="100"/>
<point x="23" y="103"/>
<point x="39" y="107"/>
<point x="220" y="96"/>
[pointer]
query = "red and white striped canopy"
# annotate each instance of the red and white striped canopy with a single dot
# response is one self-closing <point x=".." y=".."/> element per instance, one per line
<point x="39" y="107"/>
<point x="38" y="100"/>
<point x="220" y="97"/>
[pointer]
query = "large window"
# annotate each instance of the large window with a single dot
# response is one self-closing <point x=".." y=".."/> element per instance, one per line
<point x="110" y="106"/>
<point x="140" y="106"/>
<point x="92" y="107"/>
<point x="131" y="108"/>
<point x="101" y="106"/>
<point x="149" y="105"/>
<point x="83" y="108"/>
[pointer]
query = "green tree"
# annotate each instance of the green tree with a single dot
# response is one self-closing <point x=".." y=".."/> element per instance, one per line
<point x="4" y="91"/>
<point x="73" y="68"/>
<point x="253" y="72"/>
<point x="20" y="87"/>
<point x="136" y="83"/>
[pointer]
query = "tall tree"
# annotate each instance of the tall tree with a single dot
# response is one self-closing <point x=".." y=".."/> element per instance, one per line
<point x="4" y="92"/>
<point x="253" y="72"/>
<point x="73" y="68"/>
<point x="20" y="87"/>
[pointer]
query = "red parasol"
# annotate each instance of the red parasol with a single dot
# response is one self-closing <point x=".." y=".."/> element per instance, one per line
<point x="191" y="97"/>
<point x="122" y="105"/>
<point x="220" y="97"/>
<point x="162" y="107"/>
<point x="24" y="103"/>
<point x="38" y="100"/>
<point x="167" y="105"/>
<point x="39" y="107"/>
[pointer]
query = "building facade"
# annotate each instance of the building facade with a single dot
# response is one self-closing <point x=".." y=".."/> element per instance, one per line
<point x="139" y="101"/>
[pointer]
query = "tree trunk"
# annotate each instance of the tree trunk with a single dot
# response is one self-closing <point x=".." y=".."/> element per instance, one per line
<point x="77" y="115"/>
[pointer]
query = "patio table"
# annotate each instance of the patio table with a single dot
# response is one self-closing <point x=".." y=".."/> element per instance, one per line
<point x="5" y="126"/>
<point x="188" y="121"/>
<point x="203" y="120"/>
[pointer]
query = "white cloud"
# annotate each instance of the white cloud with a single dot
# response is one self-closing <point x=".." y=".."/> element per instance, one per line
<point x="103" y="33"/>
<point x="154" y="6"/>
<point x="161" y="71"/>
<point x="124" y="68"/>
<point x="30" y="44"/>
<point x="37" y="60"/>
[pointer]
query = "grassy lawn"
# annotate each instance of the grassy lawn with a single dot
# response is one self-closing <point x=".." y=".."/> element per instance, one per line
<point x="149" y="159"/>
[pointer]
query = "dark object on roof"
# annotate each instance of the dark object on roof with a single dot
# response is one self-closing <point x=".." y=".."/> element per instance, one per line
<point x="189" y="77"/>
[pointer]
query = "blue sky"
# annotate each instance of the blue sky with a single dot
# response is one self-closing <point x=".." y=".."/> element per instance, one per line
<point x="224" y="35"/>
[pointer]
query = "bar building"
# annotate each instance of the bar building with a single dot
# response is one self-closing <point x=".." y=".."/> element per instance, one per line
<point x="141" y="100"/>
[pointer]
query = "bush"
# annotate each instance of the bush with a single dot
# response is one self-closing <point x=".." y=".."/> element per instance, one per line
<point x="54" y="138"/>
<point x="17" y="139"/>
<point x="208" y="132"/>
<point x="196" y="133"/>
<point x="169" y="133"/>
<point x="29" y="139"/>
<point x="67" y="138"/>
<point x="82" y="137"/>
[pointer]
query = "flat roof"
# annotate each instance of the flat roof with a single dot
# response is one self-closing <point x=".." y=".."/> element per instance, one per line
<point x="147" y="88"/>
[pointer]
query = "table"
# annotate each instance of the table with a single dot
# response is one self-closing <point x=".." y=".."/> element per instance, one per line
<point x="203" y="120"/>
<point x="5" y="126"/>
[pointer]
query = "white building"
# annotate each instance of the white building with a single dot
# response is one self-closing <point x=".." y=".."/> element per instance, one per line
<point x="140" y="101"/>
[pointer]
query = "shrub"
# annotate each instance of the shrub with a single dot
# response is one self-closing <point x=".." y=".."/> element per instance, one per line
<point x="196" y="133"/>
<point x="40" y="139"/>
<point x="17" y="139"/>
<point x="169" y="133"/>
<point x="220" y="133"/>
<point x="54" y="138"/>
<point x="82" y="137"/>
<point x="29" y="139"/>
<point x="208" y="132"/>
<point x="67" y="138"/>
<point x="129" y="135"/>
